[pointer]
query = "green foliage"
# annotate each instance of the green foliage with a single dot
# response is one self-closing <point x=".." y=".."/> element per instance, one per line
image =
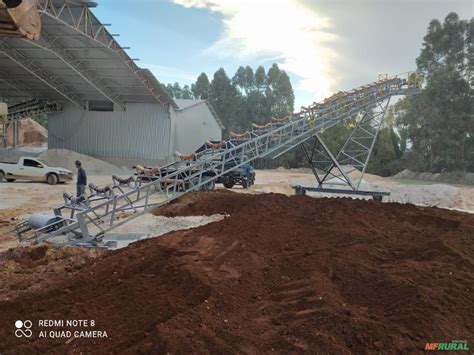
<point x="227" y="101"/>
<point x="335" y="137"/>
<point x="429" y="132"/>
<point x="42" y="119"/>
<point x="202" y="88"/>
<point x="446" y="46"/>
<point x="177" y="92"/>
<point x="249" y="97"/>
<point x="260" y="78"/>
<point x="186" y="93"/>
<point x="174" y="90"/>
<point x="279" y="91"/>
<point x="437" y="126"/>
<point x="386" y="154"/>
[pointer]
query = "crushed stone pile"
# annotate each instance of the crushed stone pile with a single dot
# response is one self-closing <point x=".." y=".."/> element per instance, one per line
<point x="285" y="274"/>
<point x="30" y="134"/>
<point x="66" y="159"/>
<point x="453" y="177"/>
<point x="431" y="195"/>
<point x="13" y="155"/>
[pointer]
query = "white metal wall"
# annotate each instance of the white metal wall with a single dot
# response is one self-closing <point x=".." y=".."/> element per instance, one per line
<point x="142" y="131"/>
<point x="193" y="126"/>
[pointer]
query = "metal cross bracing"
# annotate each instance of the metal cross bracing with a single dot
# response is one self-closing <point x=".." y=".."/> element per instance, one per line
<point x="51" y="45"/>
<point x="176" y="179"/>
<point x="13" y="84"/>
<point x="75" y="59"/>
<point x="30" y="108"/>
<point x="35" y="68"/>
<point x="65" y="214"/>
<point x="77" y="17"/>
<point x="354" y="153"/>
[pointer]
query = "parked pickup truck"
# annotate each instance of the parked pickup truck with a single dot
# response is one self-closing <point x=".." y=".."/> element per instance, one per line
<point x="35" y="170"/>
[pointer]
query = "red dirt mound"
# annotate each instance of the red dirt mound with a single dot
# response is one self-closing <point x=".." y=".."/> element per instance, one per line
<point x="284" y="274"/>
<point x="24" y="270"/>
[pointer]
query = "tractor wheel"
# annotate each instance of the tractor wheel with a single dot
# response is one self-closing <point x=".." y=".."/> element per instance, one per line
<point x="229" y="183"/>
<point x="246" y="184"/>
<point x="208" y="186"/>
<point x="52" y="179"/>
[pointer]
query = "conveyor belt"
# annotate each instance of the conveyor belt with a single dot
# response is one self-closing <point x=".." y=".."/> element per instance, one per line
<point x="270" y="140"/>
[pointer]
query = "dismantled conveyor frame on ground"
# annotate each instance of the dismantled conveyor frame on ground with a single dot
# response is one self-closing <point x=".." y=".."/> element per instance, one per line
<point x="368" y="104"/>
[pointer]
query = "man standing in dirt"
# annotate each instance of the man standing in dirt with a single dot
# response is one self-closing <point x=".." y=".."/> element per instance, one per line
<point x="81" y="179"/>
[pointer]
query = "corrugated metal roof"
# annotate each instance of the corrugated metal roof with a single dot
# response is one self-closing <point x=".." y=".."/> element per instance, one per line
<point x="75" y="60"/>
<point x="185" y="103"/>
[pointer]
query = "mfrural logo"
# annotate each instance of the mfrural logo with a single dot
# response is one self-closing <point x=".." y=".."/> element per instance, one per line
<point x="448" y="346"/>
<point x="23" y="328"/>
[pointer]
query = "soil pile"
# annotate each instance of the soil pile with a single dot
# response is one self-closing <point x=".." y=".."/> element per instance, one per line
<point x="30" y="134"/>
<point x="284" y="274"/>
<point x="49" y="264"/>
<point x="66" y="159"/>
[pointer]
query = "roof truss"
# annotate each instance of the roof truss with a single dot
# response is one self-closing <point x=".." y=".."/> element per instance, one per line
<point x="76" y="59"/>
<point x="93" y="79"/>
<point x="34" y="68"/>
<point x="76" y="16"/>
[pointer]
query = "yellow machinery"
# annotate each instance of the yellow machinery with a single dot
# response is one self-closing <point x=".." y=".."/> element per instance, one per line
<point x="20" y="18"/>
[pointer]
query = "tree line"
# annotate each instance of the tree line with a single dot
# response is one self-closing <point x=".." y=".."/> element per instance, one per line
<point x="248" y="97"/>
<point x="436" y="127"/>
<point x="429" y="132"/>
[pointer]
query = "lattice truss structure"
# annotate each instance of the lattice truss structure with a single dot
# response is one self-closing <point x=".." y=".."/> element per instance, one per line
<point x="75" y="60"/>
<point x="354" y="153"/>
<point x="369" y="103"/>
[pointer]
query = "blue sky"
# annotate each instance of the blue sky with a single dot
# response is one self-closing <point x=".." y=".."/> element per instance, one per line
<point x="325" y="46"/>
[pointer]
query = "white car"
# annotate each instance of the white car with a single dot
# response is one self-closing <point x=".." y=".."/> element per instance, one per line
<point x="33" y="169"/>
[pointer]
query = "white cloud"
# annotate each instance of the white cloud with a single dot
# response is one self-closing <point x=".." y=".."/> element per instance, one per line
<point x="285" y="31"/>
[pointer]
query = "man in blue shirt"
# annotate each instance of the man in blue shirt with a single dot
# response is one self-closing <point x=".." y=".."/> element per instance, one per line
<point x="81" y="179"/>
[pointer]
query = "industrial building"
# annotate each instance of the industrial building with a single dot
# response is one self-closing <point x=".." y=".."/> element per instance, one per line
<point x="98" y="101"/>
<point x="142" y="130"/>
<point x="194" y="121"/>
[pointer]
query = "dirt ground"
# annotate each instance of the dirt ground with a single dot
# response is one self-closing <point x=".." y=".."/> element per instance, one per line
<point x="279" y="274"/>
<point x="20" y="199"/>
<point x="459" y="197"/>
